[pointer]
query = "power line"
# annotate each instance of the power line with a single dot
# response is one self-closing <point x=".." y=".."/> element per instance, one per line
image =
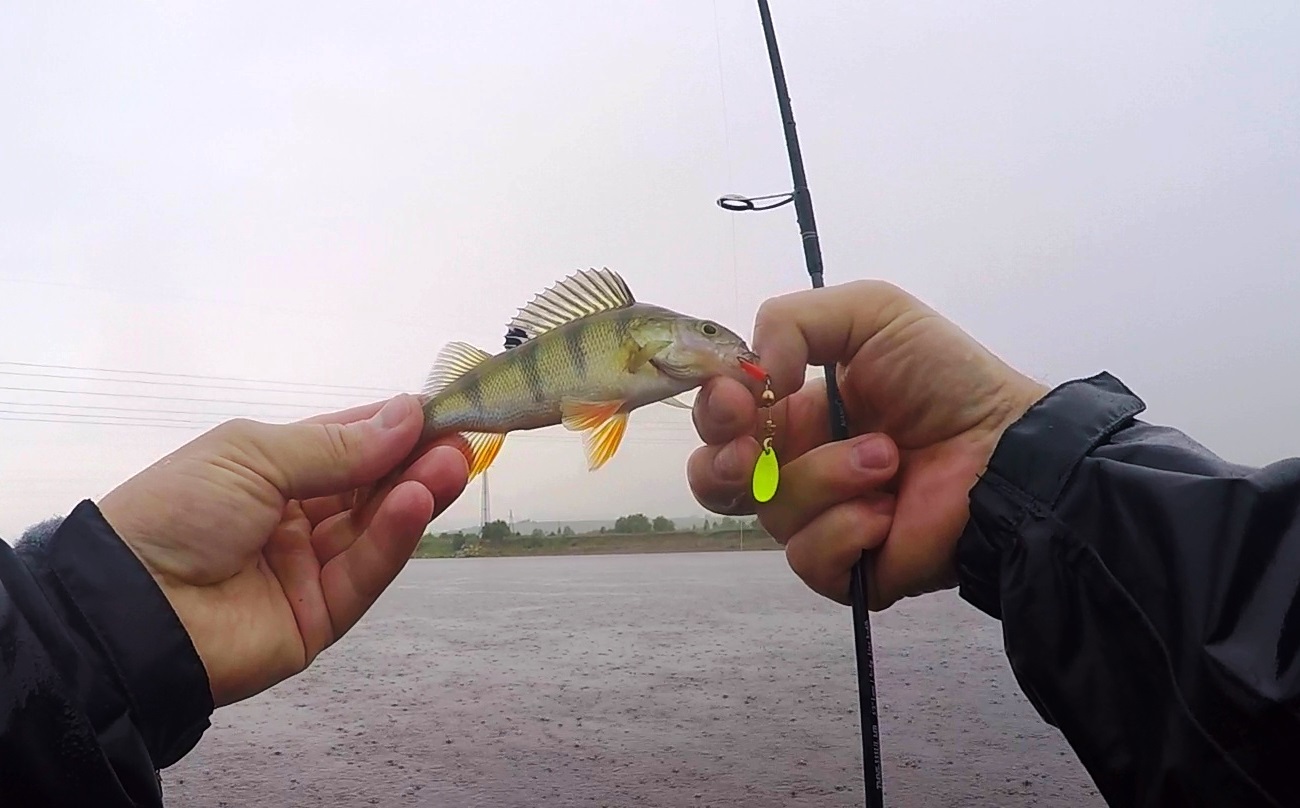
<point x="645" y="421"/>
<point x="30" y="374"/>
<point x="110" y="408"/>
<point x="149" y="412"/>
<point x="92" y="423"/>
<point x="154" y="373"/>
<point x="168" y="398"/>
<point x="147" y="421"/>
<point x="131" y="418"/>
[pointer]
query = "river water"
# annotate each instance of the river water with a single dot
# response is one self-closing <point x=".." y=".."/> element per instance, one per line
<point x="699" y="679"/>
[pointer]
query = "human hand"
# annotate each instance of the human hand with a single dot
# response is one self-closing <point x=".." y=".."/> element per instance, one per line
<point x="247" y="531"/>
<point x="926" y="406"/>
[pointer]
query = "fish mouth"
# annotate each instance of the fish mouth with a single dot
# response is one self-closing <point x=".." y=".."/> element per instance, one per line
<point x="748" y="362"/>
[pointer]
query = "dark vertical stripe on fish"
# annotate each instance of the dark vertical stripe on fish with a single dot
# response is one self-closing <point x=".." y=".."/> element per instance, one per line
<point x="532" y="372"/>
<point x="577" y="356"/>
<point x="474" y="392"/>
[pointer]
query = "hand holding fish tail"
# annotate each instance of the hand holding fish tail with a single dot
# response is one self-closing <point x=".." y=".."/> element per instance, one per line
<point x="246" y="530"/>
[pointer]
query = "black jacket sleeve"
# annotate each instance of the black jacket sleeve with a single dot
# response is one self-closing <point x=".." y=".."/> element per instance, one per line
<point x="1149" y="594"/>
<point x="100" y="686"/>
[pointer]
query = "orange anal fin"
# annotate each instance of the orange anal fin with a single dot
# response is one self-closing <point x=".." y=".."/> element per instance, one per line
<point x="480" y="449"/>
<point x="603" y="441"/>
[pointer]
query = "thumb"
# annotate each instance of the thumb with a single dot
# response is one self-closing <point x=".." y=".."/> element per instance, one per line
<point x="320" y="458"/>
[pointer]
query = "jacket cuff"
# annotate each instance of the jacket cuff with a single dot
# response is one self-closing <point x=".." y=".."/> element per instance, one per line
<point x="132" y="625"/>
<point x="1030" y="468"/>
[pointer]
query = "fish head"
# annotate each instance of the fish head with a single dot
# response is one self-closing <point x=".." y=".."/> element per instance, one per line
<point x="697" y="350"/>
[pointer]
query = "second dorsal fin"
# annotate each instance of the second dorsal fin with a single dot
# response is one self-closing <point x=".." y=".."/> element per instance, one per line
<point x="583" y="293"/>
<point x="454" y="360"/>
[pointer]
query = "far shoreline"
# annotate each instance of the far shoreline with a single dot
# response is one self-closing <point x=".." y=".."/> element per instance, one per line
<point x="599" y="544"/>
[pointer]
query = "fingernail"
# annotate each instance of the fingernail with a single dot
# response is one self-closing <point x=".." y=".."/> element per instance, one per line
<point x="872" y="453"/>
<point x="392" y="413"/>
<point x="727" y="464"/>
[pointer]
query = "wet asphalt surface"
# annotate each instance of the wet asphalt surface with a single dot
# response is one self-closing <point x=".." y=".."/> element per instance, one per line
<point x="706" y="679"/>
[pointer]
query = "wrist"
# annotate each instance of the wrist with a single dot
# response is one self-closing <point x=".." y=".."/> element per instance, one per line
<point x="143" y="654"/>
<point x="1033" y="460"/>
<point x="1015" y="398"/>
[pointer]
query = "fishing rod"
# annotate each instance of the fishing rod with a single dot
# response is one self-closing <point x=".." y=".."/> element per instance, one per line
<point x="872" y="773"/>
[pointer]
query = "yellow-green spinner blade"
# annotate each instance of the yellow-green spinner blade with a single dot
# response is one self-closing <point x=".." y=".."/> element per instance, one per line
<point x="767" y="473"/>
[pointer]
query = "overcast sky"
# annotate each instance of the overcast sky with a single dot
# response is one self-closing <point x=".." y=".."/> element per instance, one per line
<point x="326" y="193"/>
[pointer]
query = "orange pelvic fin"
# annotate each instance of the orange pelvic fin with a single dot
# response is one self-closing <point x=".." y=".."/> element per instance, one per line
<point x="602" y="423"/>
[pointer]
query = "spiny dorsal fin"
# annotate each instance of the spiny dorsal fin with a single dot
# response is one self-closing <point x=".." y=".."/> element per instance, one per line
<point x="583" y="293"/>
<point x="515" y="337"/>
<point x="454" y="360"/>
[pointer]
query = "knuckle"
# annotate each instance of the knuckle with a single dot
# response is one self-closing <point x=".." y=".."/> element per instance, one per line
<point x="770" y="309"/>
<point x="243" y="436"/>
<point x="884" y="296"/>
<point x="875" y="287"/>
<point x="235" y="428"/>
<point x="775" y="311"/>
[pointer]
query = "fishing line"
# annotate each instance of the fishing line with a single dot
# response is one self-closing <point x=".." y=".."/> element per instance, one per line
<point x="726" y="159"/>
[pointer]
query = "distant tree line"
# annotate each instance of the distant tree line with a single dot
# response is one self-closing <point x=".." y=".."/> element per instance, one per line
<point x="499" y="530"/>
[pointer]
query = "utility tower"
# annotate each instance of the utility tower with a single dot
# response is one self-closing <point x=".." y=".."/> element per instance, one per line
<point x="485" y="514"/>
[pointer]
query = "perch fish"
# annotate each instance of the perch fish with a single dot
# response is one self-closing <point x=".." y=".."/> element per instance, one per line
<point x="584" y="353"/>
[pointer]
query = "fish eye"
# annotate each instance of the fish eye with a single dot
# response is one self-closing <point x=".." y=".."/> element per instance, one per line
<point x="709" y="329"/>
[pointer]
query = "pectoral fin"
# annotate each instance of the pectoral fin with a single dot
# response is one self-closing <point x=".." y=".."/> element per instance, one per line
<point x="673" y="401"/>
<point x="602" y="424"/>
<point x="638" y="354"/>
